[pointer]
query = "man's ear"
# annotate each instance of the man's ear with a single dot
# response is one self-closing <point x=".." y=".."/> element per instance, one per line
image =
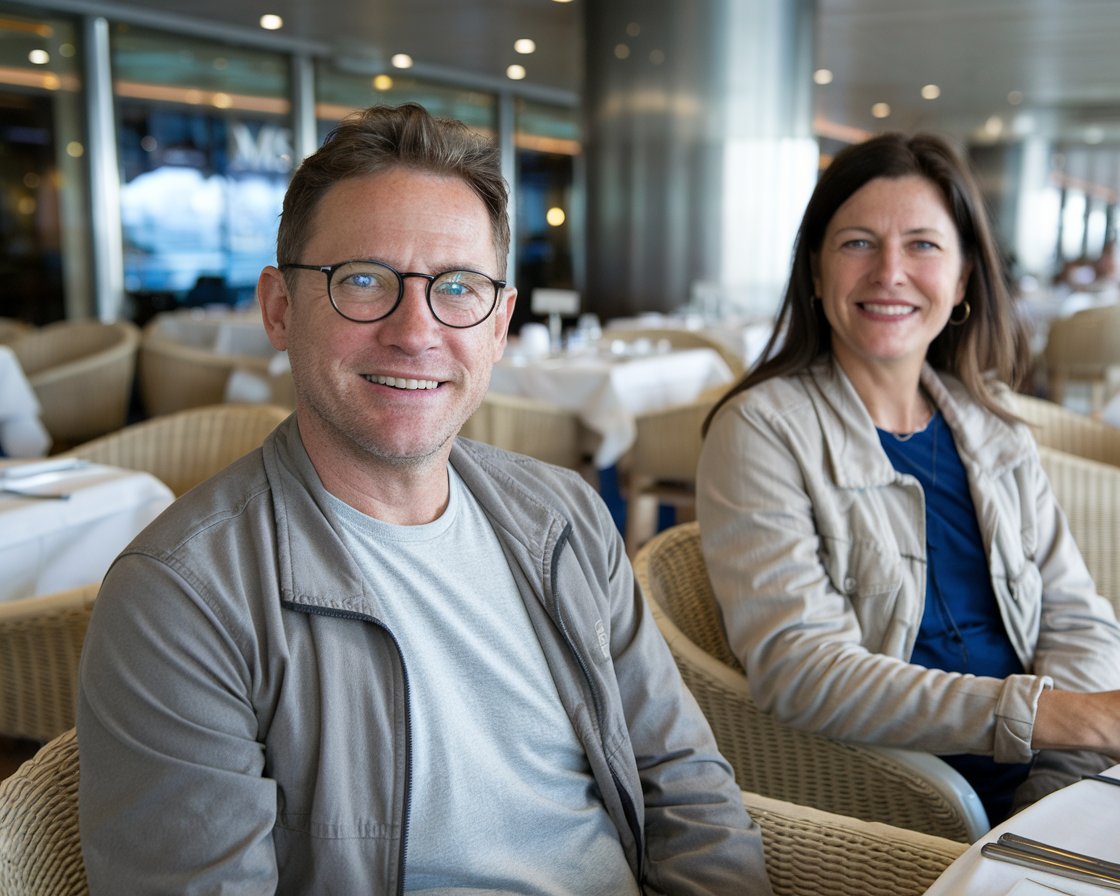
<point x="274" y="300"/>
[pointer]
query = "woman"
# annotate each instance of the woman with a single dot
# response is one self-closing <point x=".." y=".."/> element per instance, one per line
<point x="889" y="559"/>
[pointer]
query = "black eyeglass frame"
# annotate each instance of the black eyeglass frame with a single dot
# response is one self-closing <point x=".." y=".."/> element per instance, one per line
<point x="329" y="269"/>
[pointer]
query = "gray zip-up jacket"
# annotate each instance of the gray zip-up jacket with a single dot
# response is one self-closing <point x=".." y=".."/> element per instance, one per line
<point x="243" y="714"/>
<point x="817" y="552"/>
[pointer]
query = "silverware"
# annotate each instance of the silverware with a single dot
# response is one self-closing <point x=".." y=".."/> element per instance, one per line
<point x="1106" y="779"/>
<point x="1063" y="862"/>
<point x="44" y="496"/>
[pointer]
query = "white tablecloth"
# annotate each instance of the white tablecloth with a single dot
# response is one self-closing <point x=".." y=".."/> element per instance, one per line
<point x="1082" y="817"/>
<point x="608" y="393"/>
<point x="21" y="432"/>
<point x="51" y="545"/>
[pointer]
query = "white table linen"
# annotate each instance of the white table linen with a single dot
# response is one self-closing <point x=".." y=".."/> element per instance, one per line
<point x="608" y="392"/>
<point x="51" y="545"/>
<point x="1082" y="817"/>
<point x="22" y="434"/>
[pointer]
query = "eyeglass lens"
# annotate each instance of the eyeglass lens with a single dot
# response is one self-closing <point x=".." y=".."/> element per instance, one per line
<point x="367" y="291"/>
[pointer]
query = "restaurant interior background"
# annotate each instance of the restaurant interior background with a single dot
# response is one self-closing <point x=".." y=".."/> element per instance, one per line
<point x="659" y="153"/>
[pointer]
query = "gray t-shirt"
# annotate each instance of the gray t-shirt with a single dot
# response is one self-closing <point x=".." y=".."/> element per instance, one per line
<point x="503" y="799"/>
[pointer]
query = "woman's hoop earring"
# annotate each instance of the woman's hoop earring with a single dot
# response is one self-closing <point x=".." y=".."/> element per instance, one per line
<point x="956" y="322"/>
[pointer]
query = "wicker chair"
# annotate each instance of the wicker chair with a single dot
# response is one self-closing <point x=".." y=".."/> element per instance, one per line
<point x="1056" y="426"/>
<point x="12" y="329"/>
<point x="82" y="374"/>
<point x="183" y="449"/>
<point x="1084" y="348"/>
<point x="908" y="789"/>
<point x="40" y="852"/>
<point x="815" y="853"/>
<point x="179" y="367"/>
<point x="807" y="851"/>
<point x="528" y="426"/>
<point x="660" y="467"/>
<point x="40" y="643"/>
<point x="1089" y="493"/>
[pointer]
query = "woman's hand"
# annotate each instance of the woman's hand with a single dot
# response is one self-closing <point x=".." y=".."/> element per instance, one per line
<point x="1067" y="720"/>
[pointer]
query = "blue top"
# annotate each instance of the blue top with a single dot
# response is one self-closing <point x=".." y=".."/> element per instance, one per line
<point x="961" y="628"/>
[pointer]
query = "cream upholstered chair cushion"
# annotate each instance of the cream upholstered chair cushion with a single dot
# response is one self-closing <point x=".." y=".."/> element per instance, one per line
<point x="183" y="449"/>
<point x="815" y="853"/>
<point x="40" y="644"/>
<point x="1084" y="347"/>
<point x="904" y="788"/>
<point x="660" y="467"/>
<point x="40" y="850"/>
<point x="82" y="374"/>
<point x="528" y="426"/>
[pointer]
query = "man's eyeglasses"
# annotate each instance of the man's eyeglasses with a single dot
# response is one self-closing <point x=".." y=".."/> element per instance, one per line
<point x="368" y="291"/>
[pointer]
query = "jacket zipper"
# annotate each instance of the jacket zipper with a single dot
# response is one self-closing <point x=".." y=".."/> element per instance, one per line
<point x="407" y="813"/>
<point x="623" y="794"/>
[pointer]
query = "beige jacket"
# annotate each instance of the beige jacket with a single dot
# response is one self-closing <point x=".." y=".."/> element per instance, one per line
<point x="816" y="549"/>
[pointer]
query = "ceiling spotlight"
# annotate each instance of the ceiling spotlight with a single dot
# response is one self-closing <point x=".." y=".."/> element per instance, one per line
<point x="822" y="76"/>
<point x="38" y="57"/>
<point x="401" y="60"/>
<point x="524" y="46"/>
<point x="270" y="22"/>
<point x="931" y="92"/>
<point x="881" y="110"/>
<point x="515" y="72"/>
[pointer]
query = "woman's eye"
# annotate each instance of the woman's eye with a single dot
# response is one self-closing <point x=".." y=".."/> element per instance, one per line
<point x="857" y="244"/>
<point x="924" y="245"/>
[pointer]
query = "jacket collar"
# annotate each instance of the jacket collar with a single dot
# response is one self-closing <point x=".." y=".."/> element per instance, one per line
<point x="987" y="445"/>
<point x="316" y="569"/>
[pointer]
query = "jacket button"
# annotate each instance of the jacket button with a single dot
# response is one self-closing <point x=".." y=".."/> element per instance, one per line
<point x="850" y="584"/>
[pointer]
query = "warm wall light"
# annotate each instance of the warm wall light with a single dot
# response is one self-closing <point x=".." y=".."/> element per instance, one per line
<point x="881" y="110"/>
<point x="931" y="92"/>
<point x="270" y="22"/>
<point x="401" y="60"/>
<point x="382" y="82"/>
<point x="555" y="216"/>
<point x="515" y="72"/>
<point x="524" y="46"/>
<point x="822" y="76"/>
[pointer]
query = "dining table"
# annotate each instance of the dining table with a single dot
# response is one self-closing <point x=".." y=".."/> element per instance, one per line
<point x="1083" y="817"/>
<point x="608" y="386"/>
<point x="22" y="433"/>
<point x="64" y="520"/>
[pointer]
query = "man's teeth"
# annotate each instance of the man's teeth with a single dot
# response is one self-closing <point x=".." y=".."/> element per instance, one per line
<point x="895" y="310"/>
<point x="401" y="383"/>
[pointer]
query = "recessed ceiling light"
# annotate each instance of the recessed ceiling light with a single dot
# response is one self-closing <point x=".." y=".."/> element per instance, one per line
<point x="525" y="46"/>
<point x="1015" y="97"/>
<point x="270" y="22"/>
<point x="401" y="60"/>
<point x="881" y="110"/>
<point x="931" y="92"/>
<point x="515" y="72"/>
<point x="822" y="76"/>
<point x="38" y="57"/>
<point x="621" y="51"/>
<point x="382" y="82"/>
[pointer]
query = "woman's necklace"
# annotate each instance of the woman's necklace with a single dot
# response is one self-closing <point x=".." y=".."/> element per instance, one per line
<point x="907" y="436"/>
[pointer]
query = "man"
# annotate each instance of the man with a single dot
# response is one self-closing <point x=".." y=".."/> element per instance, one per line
<point x="369" y="658"/>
